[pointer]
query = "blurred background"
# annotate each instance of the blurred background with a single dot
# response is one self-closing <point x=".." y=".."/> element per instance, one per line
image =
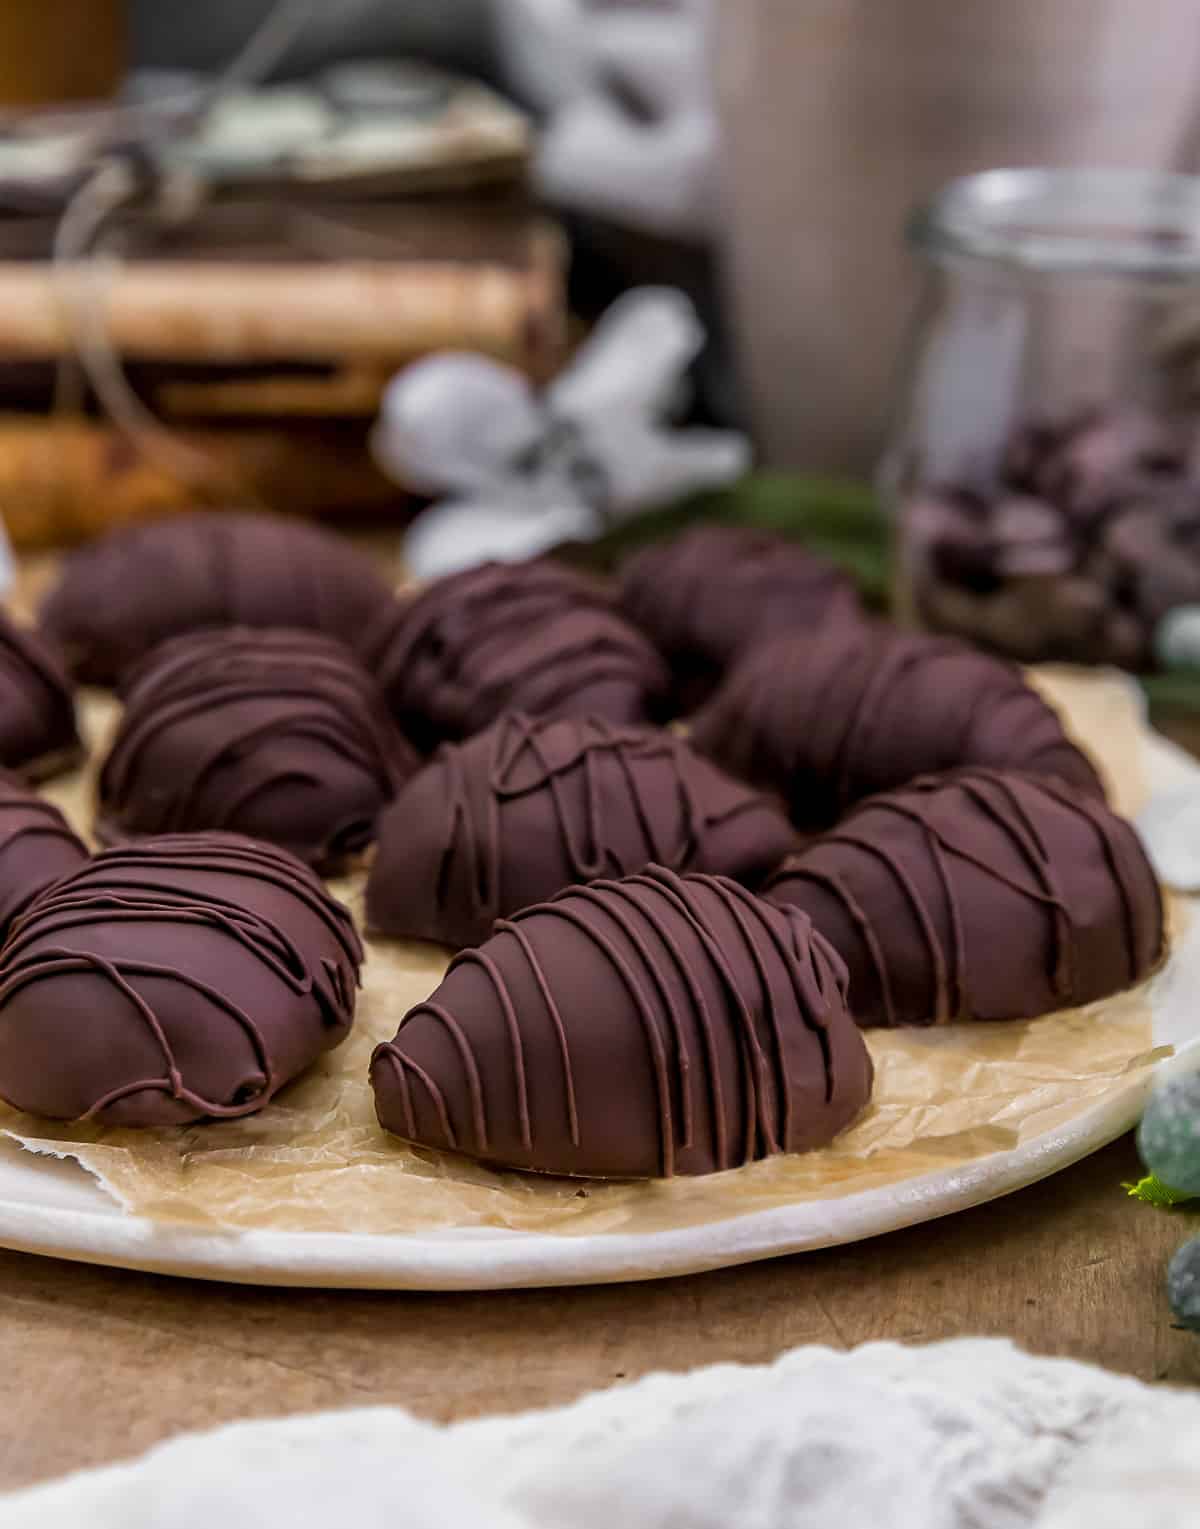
<point x="232" y="236"/>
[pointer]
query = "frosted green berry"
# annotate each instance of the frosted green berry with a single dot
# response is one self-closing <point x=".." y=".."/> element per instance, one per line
<point x="1169" y="1136"/>
<point x="1183" y="1284"/>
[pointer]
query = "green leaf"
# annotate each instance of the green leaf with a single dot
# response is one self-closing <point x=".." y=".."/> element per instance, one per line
<point x="1152" y="1191"/>
<point x="838" y="518"/>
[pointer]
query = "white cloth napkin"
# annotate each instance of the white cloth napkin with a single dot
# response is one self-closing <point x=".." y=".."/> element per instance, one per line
<point x="971" y="1434"/>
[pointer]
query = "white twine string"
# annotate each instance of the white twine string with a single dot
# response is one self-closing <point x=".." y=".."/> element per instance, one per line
<point x="83" y="268"/>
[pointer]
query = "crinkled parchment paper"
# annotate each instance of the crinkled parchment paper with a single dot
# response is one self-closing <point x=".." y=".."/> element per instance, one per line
<point x="315" y="1160"/>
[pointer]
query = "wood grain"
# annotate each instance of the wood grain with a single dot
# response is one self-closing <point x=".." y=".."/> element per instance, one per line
<point x="97" y="1365"/>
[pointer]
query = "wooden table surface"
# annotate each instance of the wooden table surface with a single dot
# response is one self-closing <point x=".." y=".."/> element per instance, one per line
<point x="98" y="1364"/>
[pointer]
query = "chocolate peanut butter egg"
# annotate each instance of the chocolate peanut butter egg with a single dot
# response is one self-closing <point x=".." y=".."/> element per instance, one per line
<point x="859" y="708"/>
<point x="704" y="598"/>
<point x="183" y="978"/>
<point x="535" y="637"/>
<point x="281" y="735"/>
<point x="38" y="736"/>
<point x="121" y="595"/>
<point x="640" y="1028"/>
<point x="37" y="847"/>
<point x="979" y="895"/>
<point x="529" y="807"/>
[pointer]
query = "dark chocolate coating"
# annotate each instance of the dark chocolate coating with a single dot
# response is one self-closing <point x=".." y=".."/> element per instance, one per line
<point x="860" y="708"/>
<point x="979" y="895"/>
<point x="37" y="847"/>
<point x="1088" y="534"/>
<point x="527" y="808"/>
<point x="121" y="595"/>
<point x="640" y="1028"/>
<point x="535" y="637"/>
<point x="38" y="737"/>
<point x="181" y="978"/>
<point x="280" y="735"/>
<point x="1084" y="464"/>
<point x="704" y="598"/>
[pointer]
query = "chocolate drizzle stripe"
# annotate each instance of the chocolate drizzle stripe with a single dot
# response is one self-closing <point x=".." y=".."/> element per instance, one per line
<point x="1037" y="857"/>
<point x="254" y="934"/>
<point x="880" y="675"/>
<point x="691" y="996"/>
<point x="833" y="719"/>
<point x="752" y="1058"/>
<point x="47" y="830"/>
<point x="605" y="657"/>
<point x="585" y="841"/>
<point x="531" y="637"/>
<point x="610" y="896"/>
<point x="227" y="816"/>
<point x="764" y="1106"/>
<point x="1064" y="977"/>
<point x="921" y="912"/>
<point x="838" y="888"/>
<point x="483" y="863"/>
<point x="823" y="975"/>
<point x="647" y="1019"/>
<point x="956" y="998"/>
<point x="436" y="1097"/>
<point x="508" y="926"/>
<point x="812" y="1002"/>
<point x="142" y="585"/>
<point x="1123" y="860"/>
<point x="258" y="859"/>
<point x="612" y="799"/>
<point x="37" y="708"/>
<point x="443" y="1016"/>
<point x="58" y="960"/>
<point x="484" y="961"/>
<point x="387" y="1052"/>
<point x="204" y="712"/>
<point x="954" y="960"/>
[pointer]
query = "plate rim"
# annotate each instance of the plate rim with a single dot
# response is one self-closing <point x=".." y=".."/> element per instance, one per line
<point x="450" y="1259"/>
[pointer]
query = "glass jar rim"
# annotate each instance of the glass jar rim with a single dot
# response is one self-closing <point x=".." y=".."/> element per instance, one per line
<point x="1144" y="223"/>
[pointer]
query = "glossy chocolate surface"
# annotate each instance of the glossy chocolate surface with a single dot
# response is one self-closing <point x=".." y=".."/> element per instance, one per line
<point x="979" y="895"/>
<point x="186" y="977"/>
<point x="37" y="848"/>
<point x="529" y="807"/>
<point x="706" y="597"/>
<point x="121" y="595"/>
<point x="38" y="736"/>
<point x="858" y="708"/>
<point x="535" y="637"/>
<point x="278" y="734"/>
<point x="640" y="1028"/>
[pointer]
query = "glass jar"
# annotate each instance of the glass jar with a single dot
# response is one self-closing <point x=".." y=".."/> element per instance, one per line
<point x="1043" y="469"/>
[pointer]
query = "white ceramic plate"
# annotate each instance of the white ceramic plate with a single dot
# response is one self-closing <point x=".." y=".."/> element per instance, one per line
<point x="53" y="1207"/>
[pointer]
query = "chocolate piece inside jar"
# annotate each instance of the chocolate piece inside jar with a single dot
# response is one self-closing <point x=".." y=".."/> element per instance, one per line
<point x="1084" y="540"/>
